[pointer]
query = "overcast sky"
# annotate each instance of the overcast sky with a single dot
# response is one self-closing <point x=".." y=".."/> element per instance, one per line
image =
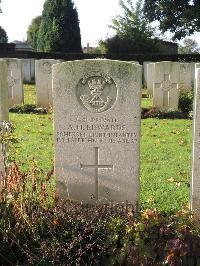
<point x="94" y="16"/>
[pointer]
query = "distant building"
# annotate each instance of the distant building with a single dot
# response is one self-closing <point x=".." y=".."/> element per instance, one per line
<point x="169" y="47"/>
<point x="23" y="46"/>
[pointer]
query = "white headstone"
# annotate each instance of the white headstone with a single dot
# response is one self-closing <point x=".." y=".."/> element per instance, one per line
<point x="97" y="129"/>
<point x="145" y="66"/>
<point x="32" y="63"/>
<point x="166" y="85"/>
<point x="197" y="66"/>
<point x="28" y="69"/>
<point x="186" y="77"/>
<point x="15" y="84"/>
<point x="4" y="108"/>
<point x="43" y="78"/>
<point x="195" y="184"/>
<point x="150" y="78"/>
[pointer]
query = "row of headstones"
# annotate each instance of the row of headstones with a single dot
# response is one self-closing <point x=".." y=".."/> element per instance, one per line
<point x="97" y="129"/>
<point x="164" y="81"/>
<point x="43" y="71"/>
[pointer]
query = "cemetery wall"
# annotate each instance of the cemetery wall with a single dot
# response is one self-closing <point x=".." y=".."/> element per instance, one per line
<point x="81" y="56"/>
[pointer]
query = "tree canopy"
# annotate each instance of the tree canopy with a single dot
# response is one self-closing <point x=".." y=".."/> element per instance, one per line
<point x="133" y="32"/>
<point x="59" y="30"/>
<point x="32" y="33"/>
<point x="189" y="47"/>
<point x="3" y="36"/>
<point x="180" y="17"/>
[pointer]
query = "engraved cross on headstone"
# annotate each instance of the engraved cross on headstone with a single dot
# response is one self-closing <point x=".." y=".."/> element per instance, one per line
<point x="166" y="86"/>
<point x="96" y="166"/>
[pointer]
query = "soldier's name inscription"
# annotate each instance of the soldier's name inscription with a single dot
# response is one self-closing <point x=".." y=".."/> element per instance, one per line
<point x="112" y="131"/>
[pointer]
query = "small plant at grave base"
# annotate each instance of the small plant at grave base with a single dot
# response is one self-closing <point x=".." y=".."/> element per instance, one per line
<point x="28" y="109"/>
<point x="186" y="101"/>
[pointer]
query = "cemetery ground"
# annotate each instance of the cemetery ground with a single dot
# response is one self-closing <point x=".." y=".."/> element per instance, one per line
<point x="164" y="232"/>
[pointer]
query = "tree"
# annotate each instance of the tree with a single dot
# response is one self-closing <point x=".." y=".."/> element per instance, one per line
<point x="3" y="36"/>
<point x="59" y="30"/>
<point x="133" y="32"/>
<point x="33" y="30"/>
<point x="180" y="17"/>
<point x="189" y="47"/>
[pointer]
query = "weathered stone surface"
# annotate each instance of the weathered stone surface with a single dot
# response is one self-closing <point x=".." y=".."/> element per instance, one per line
<point x="97" y="129"/>
<point x="166" y="85"/>
<point x="28" y="69"/>
<point x="150" y="78"/>
<point x="145" y="67"/>
<point x="43" y="79"/>
<point x="186" y="77"/>
<point x="195" y="184"/>
<point x="15" y="84"/>
<point x="4" y="106"/>
<point x="197" y="66"/>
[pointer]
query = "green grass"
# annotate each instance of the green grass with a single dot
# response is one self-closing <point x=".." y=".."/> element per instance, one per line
<point x="166" y="147"/>
<point x="35" y="140"/>
<point x="147" y="102"/>
<point x="29" y="94"/>
<point x="165" y="155"/>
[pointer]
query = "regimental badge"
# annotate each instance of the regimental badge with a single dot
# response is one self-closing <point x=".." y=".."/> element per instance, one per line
<point x="96" y="93"/>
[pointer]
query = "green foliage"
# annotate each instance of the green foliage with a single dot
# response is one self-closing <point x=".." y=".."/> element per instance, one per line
<point x="186" y="101"/>
<point x="133" y="32"/>
<point x="3" y="36"/>
<point x="189" y="47"/>
<point x="180" y="17"/>
<point x="32" y="33"/>
<point x="59" y="30"/>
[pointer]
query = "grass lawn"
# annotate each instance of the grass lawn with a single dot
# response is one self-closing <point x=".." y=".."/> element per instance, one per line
<point x="165" y="154"/>
<point x="146" y="102"/>
<point x="29" y="94"/>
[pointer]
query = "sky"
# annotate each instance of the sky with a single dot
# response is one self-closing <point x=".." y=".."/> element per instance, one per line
<point x="94" y="16"/>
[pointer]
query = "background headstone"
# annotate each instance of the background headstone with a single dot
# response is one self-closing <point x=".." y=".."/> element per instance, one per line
<point x="166" y="85"/>
<point x="15" y="84"/>
<point x="97" y="129"/>
<point x="43" y="78"/>
<point x="186" y="77"/>
<point x="145" y="66"/>
<point x="195" y="184"/>
<point x="28" y="70"/>
<point x="150" y="78"/>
